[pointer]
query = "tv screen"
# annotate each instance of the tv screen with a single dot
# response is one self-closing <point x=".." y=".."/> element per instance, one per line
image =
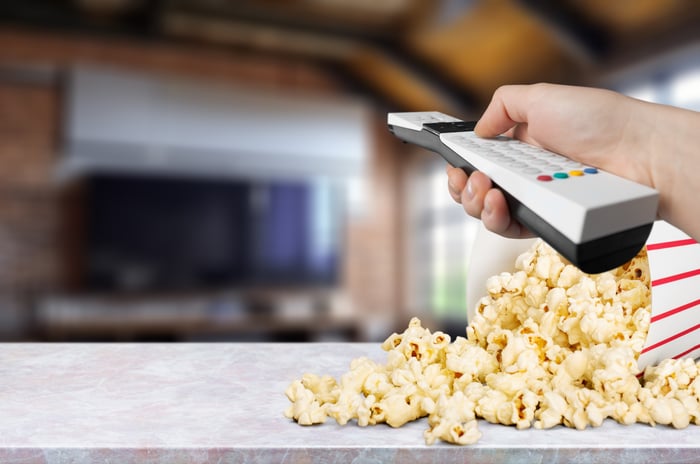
<point x="157" y="234"/>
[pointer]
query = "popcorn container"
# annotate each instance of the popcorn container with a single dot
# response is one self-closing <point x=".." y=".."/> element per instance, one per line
<point x="674" y="266"/>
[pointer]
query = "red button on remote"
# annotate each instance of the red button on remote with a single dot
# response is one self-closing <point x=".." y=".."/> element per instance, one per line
<point x="544" y="178"/>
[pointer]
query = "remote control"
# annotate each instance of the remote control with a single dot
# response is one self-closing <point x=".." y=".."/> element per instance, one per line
<point x="596" y="220"/>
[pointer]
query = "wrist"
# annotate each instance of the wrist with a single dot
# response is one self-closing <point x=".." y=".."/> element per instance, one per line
<point x="673" y="163"/>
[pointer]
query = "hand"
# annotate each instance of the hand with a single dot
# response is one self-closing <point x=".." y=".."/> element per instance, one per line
<point x="481" y="201"/>
<point x="643" y="142"/>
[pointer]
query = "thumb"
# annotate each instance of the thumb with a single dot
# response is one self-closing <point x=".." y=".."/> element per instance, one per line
<point x="508" y="108"/>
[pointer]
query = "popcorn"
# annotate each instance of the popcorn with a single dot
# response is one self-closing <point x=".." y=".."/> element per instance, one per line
<point x="549" y="345"/>
<point x="306" y="408"/>
<point x="553" y="406"/>
<point x="453" y="420"/>
<point x="576" y="365"/>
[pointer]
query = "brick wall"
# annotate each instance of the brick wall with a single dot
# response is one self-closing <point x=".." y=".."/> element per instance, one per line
<point x="28" y="203"/>
<point x="61" y="51"/>
<point x="374" y="261"/>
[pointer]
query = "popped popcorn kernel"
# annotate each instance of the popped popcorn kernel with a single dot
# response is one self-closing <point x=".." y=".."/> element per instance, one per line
<point x="306" y="409"/>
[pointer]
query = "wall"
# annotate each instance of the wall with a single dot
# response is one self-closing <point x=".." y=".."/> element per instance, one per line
<point x="37" y="248"/>
<point x="28" y="224"/>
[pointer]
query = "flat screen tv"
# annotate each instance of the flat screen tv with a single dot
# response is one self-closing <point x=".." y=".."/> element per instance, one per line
<point x="157" y="234"/>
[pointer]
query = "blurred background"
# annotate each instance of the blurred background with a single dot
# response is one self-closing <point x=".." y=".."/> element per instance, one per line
<point x="200" y="170"/>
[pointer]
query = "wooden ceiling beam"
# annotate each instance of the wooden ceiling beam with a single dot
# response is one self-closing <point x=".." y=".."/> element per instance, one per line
<point x="356" y="53"/>
<point x="401" y="89"/>
<point x="494" y="43"/>
<point x="584" y="37"/>
<point x="291" y="15"/>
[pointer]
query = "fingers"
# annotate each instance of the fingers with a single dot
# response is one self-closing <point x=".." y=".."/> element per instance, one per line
<point x="507" y="108"/>
<point x="496" y="216"/>
<point x="468" y="190"/>
<point x="473" y="195"/>
<point x="480" y="200"/>
<point x="456" y="182"/>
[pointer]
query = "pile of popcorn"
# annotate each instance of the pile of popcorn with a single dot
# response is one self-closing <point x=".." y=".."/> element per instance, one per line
<point x="549" y="345"/>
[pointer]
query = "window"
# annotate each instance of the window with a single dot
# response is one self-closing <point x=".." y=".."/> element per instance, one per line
<point x="684" y="89"/>
<point x="673" y="81"/>
<point x="440" y="241"/>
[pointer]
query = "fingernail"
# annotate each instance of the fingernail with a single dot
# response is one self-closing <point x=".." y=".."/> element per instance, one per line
<point x="451" y="187"/>
<point x="487" y="207"/>
<point x="470" y="190"/>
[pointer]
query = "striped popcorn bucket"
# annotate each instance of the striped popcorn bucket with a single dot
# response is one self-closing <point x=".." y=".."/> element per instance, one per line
<point x="674" y="266"/>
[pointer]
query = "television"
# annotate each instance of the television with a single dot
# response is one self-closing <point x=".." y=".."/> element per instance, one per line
<point x="154" y="234"/>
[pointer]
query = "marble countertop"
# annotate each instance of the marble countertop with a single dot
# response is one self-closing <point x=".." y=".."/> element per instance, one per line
<point x="224" y="402"/>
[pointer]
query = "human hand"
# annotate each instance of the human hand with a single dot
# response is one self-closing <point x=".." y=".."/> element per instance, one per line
<point x="595" y="127"/>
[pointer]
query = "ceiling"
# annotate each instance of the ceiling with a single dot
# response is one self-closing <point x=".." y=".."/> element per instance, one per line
<point x="415" y="54"/>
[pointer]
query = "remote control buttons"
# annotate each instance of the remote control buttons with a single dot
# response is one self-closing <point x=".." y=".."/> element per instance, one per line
<point x="565" y="175"/>
<point x="525" y="159"/>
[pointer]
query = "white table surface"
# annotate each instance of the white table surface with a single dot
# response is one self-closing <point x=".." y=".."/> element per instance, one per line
<point x="225" y="402"/>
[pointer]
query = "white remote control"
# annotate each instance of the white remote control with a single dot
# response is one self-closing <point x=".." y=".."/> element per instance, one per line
<point x="595" y="219"/>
